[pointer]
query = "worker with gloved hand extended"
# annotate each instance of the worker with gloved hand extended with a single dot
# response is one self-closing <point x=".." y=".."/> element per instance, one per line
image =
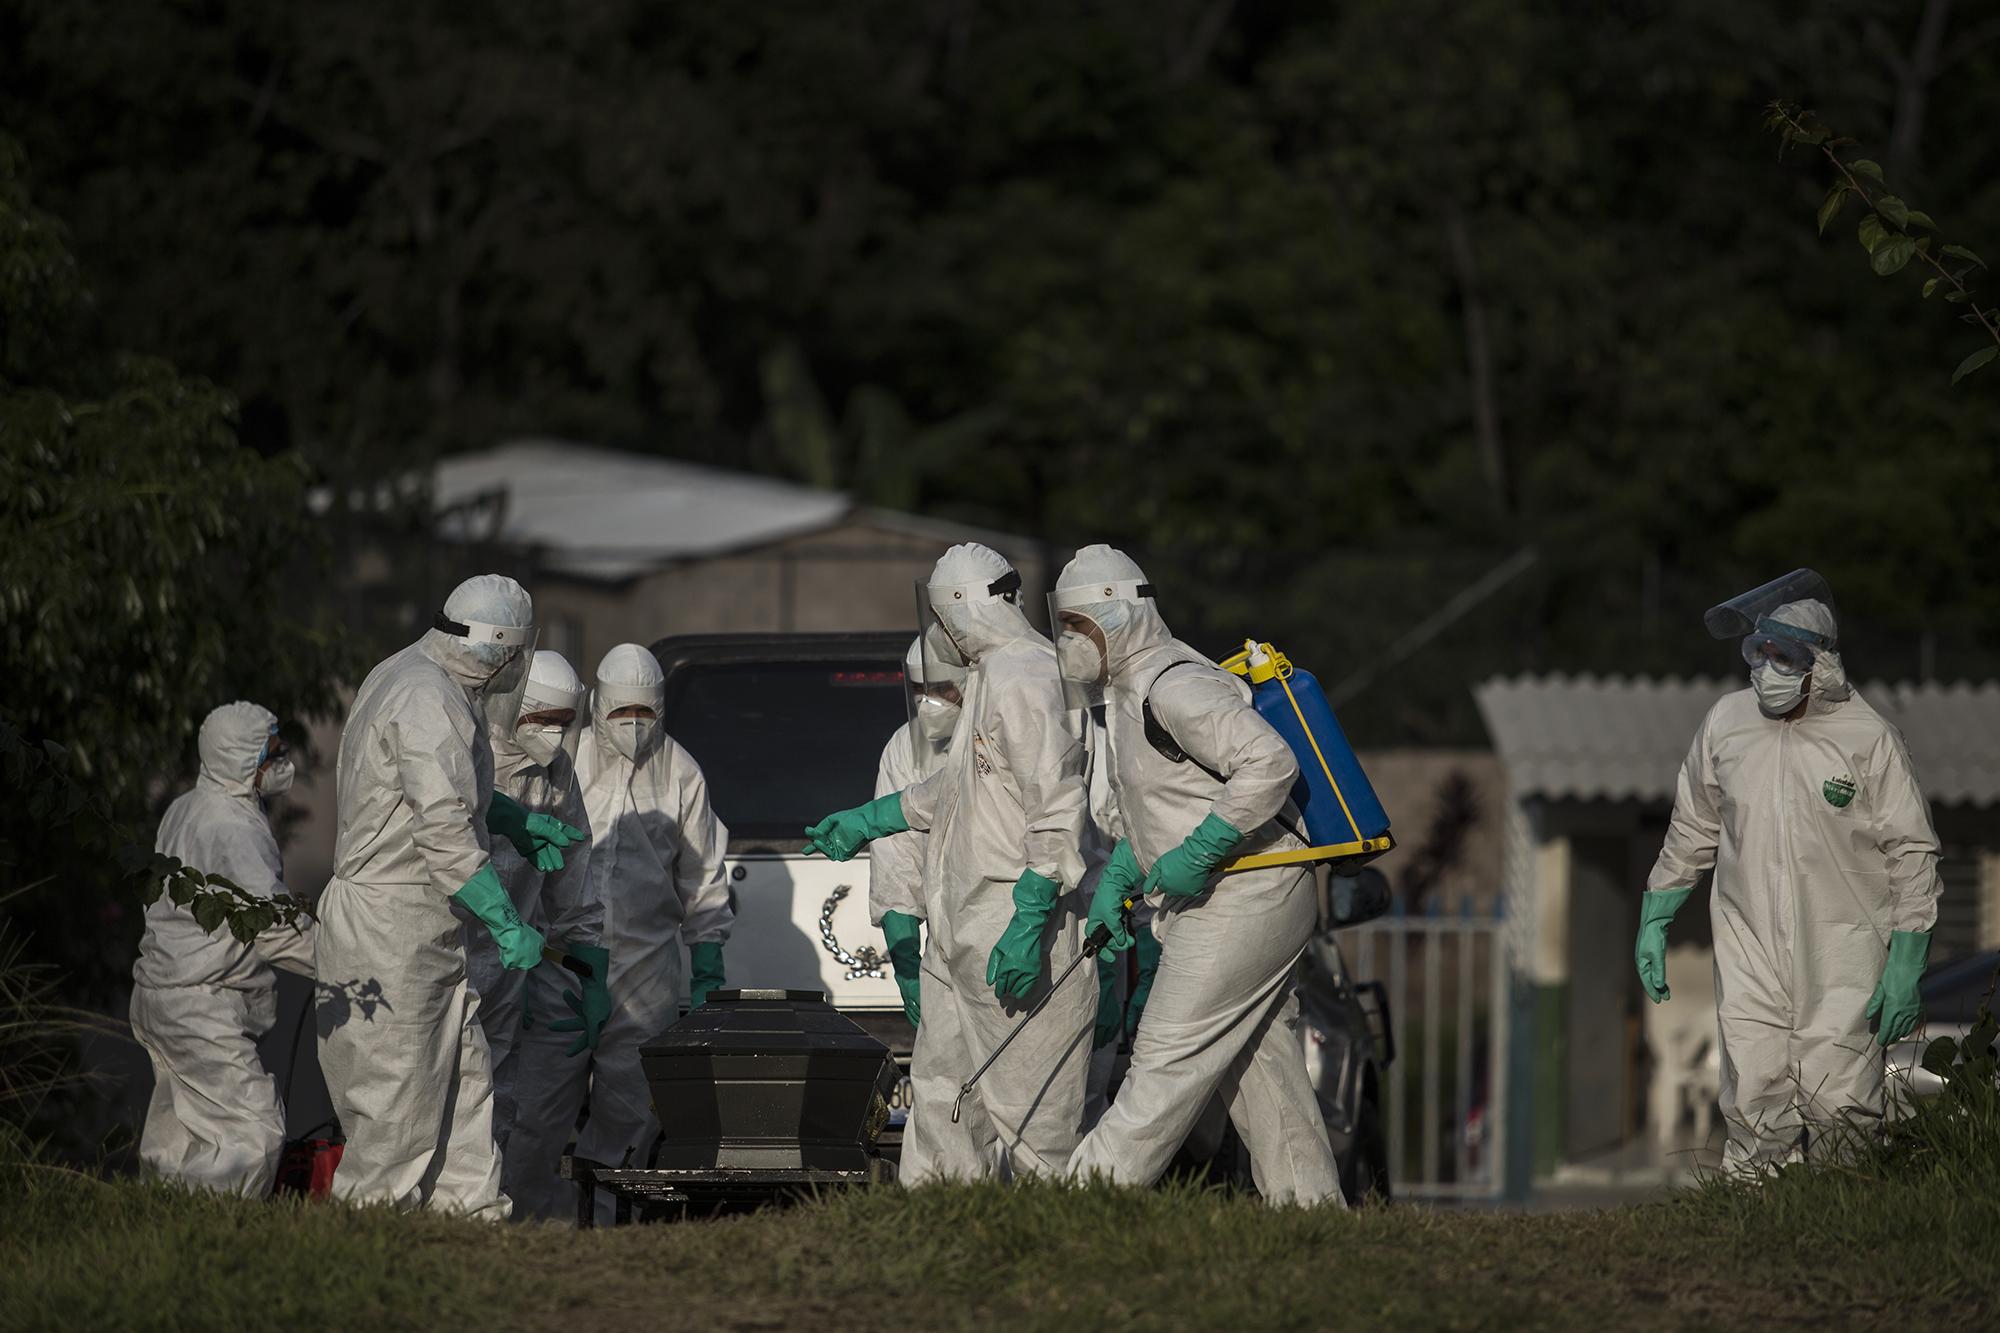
<point x="656" y="854"/>
<point x="201" y="998"/>
<point x="896" y="862"/>
<point x="542" y="819"/>
<point x="1200" y="778"/>
<point x="400" y="1041"/>
<point x="1005" y="815"/>
<point x="1802" y="800"/>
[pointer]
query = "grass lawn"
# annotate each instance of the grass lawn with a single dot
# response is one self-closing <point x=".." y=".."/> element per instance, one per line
<point x="1829" y="1249"/>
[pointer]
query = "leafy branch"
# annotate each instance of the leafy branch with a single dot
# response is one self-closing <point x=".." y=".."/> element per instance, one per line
<point x="1885" y="231"/>
<point x="38" y="779"/>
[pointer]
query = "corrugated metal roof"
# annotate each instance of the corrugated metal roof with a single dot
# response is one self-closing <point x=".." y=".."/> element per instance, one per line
<point x="607" y="514"/>
<point x="1614" y="738"/>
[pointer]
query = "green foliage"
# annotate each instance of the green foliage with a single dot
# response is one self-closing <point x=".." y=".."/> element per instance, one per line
<point x="1884" y="232"/>
<point x="149" y="566"/>
<point x="1325" y="311"/>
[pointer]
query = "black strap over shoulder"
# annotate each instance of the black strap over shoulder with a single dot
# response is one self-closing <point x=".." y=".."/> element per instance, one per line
<point x="1163" y="740"/>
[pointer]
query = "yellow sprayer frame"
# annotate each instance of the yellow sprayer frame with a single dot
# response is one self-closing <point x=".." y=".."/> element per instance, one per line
<point x="1278" y="667"/>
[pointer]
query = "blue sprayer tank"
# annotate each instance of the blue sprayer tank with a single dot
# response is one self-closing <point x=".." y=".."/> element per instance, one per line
<point x="1344" y="819"/>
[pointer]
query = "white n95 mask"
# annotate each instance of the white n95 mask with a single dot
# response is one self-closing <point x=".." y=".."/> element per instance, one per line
<point x="630" y="736"/>
<point x="542" y="741"/>
<point x="1778" y="692"/>
<point x="936" y="719"/>
<point x="1079" y="658"/>
<point x="277" y="779"/>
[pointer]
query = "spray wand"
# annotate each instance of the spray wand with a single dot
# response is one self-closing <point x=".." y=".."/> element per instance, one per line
<point x="1092" y="946"/>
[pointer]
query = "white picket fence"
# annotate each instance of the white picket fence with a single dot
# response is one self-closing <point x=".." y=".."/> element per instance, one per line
<point x="1444" y="977"/>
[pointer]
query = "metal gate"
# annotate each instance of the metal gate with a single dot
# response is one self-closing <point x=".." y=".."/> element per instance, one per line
<point x="1444" y="978"/>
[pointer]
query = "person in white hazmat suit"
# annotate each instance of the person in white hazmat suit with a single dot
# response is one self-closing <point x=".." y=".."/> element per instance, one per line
<point x="896" y="863"/>
<point x="533" y="763"/>
<point x="1223" y="1013"/>
<point x="406" y="1063"/>
<point x="1005" y="815"/>
<point x="1802" y="800"/>
<point x="656" y="861"/>
<point x="201" y="999"/>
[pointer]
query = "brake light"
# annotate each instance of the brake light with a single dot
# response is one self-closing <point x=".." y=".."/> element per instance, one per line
<point x="868" y="678"/>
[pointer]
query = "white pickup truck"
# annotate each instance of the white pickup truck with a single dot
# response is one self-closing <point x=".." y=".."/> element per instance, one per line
<point x="790" y="727"/>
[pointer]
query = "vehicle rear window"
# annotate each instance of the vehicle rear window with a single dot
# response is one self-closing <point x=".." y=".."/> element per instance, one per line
<point x="785" y="743"/>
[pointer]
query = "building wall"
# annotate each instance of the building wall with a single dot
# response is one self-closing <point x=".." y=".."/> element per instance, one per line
<point x="858" y="576"/>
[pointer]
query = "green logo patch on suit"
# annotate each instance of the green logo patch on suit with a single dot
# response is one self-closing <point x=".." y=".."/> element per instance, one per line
<point x="1838" y="791"/>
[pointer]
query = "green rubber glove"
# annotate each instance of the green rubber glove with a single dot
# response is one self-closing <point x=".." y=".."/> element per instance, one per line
<point x="1149" y="967"/>
<point x="1184" y="871"/>
<point x="592" y="1005"/>
<point x="537" y="837"/>
<point x="704" y="972"/>
<point x="1110" y="1022"/>
<point x="1119" y="881"/>
<point x="906" y="955"/>
<point x="1895" y="998"/>
<point x="844" y="832"/>
<point x="1015" y="964"/>
<point x="1656" y="909"/>
<point x="486" y="898"/>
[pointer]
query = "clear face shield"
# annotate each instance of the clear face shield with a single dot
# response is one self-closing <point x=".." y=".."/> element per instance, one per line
<point x="1081" y="620"/>
<point x="1767" y="641"/>
<point x="934" y="695"/>
<point x="549" y="722"/>
<point x="500" y="696"/>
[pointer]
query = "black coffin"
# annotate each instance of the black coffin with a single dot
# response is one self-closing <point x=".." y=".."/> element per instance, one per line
<point x="768" y="1080"/>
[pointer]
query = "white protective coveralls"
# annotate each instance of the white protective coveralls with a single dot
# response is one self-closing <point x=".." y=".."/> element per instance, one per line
<point x="1223" y="1017"/>
<point x="1009" y="797"/>
<point x="562" y="904"/>
<point x="400" y="1044"/>
<point x="1821" y="843"/>
<point x="914" y="752"/>
<point x="656" y="858"/>
<point x="200" y="999"/>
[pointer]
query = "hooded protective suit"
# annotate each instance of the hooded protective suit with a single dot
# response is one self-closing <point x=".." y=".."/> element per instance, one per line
<point x="1821" y="843"/>
<point x="656" y="858"/>
<point x="1223" y="1016"/>
<point x="914" y="752"/>
<point x="1009" y="797"/>
<point x="562" y="903"/>
<point x="400" y="1043"/>
<point x="200" y="1000"/>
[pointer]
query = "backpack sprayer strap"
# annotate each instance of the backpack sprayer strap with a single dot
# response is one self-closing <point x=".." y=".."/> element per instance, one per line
<point x="1163" y="740"/>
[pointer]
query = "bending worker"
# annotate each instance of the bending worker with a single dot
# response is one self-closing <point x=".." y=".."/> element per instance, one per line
<point x="656" y="857"/>
<point x="533" y="765"/>
<point x="201" y="999"/>
<point x="1199" y="778"/>
<point x="1005" y="814"/>
<point x="1803" y="802"/>
<point x="896" y="863"/>
<point x="399" y="1036"/>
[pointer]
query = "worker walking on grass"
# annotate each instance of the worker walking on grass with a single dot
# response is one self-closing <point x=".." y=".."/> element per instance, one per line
<point x="1199" y="777"/>
<point x="1005" y="815"/>
<point x="200" y="998"/>
<point x="656" y="857"/>
<point x="1801" y="799"/>
<point x="400" y="1042"/>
